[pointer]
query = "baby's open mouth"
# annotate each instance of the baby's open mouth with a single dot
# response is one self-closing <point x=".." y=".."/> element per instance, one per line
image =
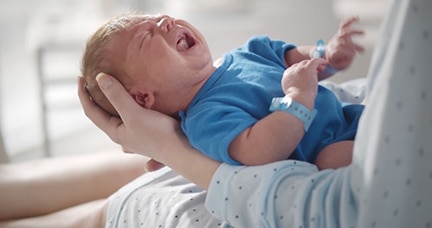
<point x="185" y="42"/>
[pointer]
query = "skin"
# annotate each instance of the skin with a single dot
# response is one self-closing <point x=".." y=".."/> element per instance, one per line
<point x="71" y="191"/>
<point x="143" y="135"/>
<point x="160" y="76"/>
<point x="164" y="75"/>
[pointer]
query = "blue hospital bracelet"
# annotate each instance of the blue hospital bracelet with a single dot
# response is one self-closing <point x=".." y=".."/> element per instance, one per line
<point x="318" y="52"/>
<point x="287" y="104"/>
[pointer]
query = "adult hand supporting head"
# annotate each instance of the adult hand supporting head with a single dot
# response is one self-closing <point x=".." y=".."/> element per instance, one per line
<point x="143" y="139"/>
<point x="146" y="132"/>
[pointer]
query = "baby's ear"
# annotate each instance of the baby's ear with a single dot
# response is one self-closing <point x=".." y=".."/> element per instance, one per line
<point x="146" y="100"/>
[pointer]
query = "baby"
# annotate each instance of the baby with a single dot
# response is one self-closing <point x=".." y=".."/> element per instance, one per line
<point x="260" y="103"/>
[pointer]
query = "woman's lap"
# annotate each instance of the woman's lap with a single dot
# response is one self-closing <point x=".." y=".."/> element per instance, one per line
<point x="159" y="199"/>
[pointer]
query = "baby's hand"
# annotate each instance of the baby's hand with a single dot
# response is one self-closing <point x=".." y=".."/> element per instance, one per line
<point x="301" y="78"/>
<point x="341" y="49"/>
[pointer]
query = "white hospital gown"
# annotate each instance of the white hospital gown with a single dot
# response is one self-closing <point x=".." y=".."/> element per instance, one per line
<point x="388" y="184"/>
<point x="160" y="199"/>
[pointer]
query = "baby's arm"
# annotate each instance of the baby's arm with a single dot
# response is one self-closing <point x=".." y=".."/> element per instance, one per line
<point x="275" y="137"/>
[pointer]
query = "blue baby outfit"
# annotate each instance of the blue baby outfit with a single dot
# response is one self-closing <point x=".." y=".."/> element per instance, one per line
<point x="239" y="93"/>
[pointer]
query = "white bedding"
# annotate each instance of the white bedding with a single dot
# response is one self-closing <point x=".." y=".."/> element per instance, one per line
<point x="391" y="174"/>
<point x="353" y="91"/>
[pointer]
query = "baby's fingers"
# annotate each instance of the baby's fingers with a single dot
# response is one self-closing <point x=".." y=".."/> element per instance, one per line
<point x="358" y="47"/>
<point x="316" y="63"/>
<point x="348" y="22"/>
<point x="348" y="33"/>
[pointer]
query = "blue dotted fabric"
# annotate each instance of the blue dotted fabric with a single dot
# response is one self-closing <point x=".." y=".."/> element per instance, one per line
<point x="392" y="170"/>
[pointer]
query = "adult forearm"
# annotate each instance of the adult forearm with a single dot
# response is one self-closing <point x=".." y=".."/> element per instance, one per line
<point x="189" y="162"/>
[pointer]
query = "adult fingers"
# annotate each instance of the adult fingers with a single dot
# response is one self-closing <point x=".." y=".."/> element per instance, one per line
<point x="124" y="104"/>
<point x="134" y="117"/>
<point x="99" y="117"/>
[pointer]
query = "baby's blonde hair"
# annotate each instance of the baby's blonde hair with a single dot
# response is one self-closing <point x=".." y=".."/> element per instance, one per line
<point x="95" y="58"/>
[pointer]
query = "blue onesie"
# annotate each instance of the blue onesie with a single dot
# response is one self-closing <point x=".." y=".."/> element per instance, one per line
<point x="239" y="93"/>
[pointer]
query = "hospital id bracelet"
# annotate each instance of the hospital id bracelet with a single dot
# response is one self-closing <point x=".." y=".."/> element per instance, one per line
<point x="318" y="52"/>
<point x="287" y="104"/>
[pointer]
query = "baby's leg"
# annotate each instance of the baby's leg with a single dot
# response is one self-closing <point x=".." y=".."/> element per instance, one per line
<point x="335" y="155"/>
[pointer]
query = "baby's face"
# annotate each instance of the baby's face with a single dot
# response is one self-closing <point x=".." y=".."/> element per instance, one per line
<point x="159" y="50"/>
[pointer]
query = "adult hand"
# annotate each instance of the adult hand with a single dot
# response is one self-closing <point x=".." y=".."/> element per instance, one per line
<point x="138" y="130"/>
<point x="147" y="132"/>
<point x="300" y="80"/>
<point x="341" y="49"/>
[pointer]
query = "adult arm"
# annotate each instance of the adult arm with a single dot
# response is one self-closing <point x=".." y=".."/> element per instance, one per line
<point x="146" y="132"/>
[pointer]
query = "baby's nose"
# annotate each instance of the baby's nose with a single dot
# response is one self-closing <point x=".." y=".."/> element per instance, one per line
<point x="166" y="23"/>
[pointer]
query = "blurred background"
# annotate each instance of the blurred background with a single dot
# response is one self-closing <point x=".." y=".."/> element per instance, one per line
<point x="41" y="43"/>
